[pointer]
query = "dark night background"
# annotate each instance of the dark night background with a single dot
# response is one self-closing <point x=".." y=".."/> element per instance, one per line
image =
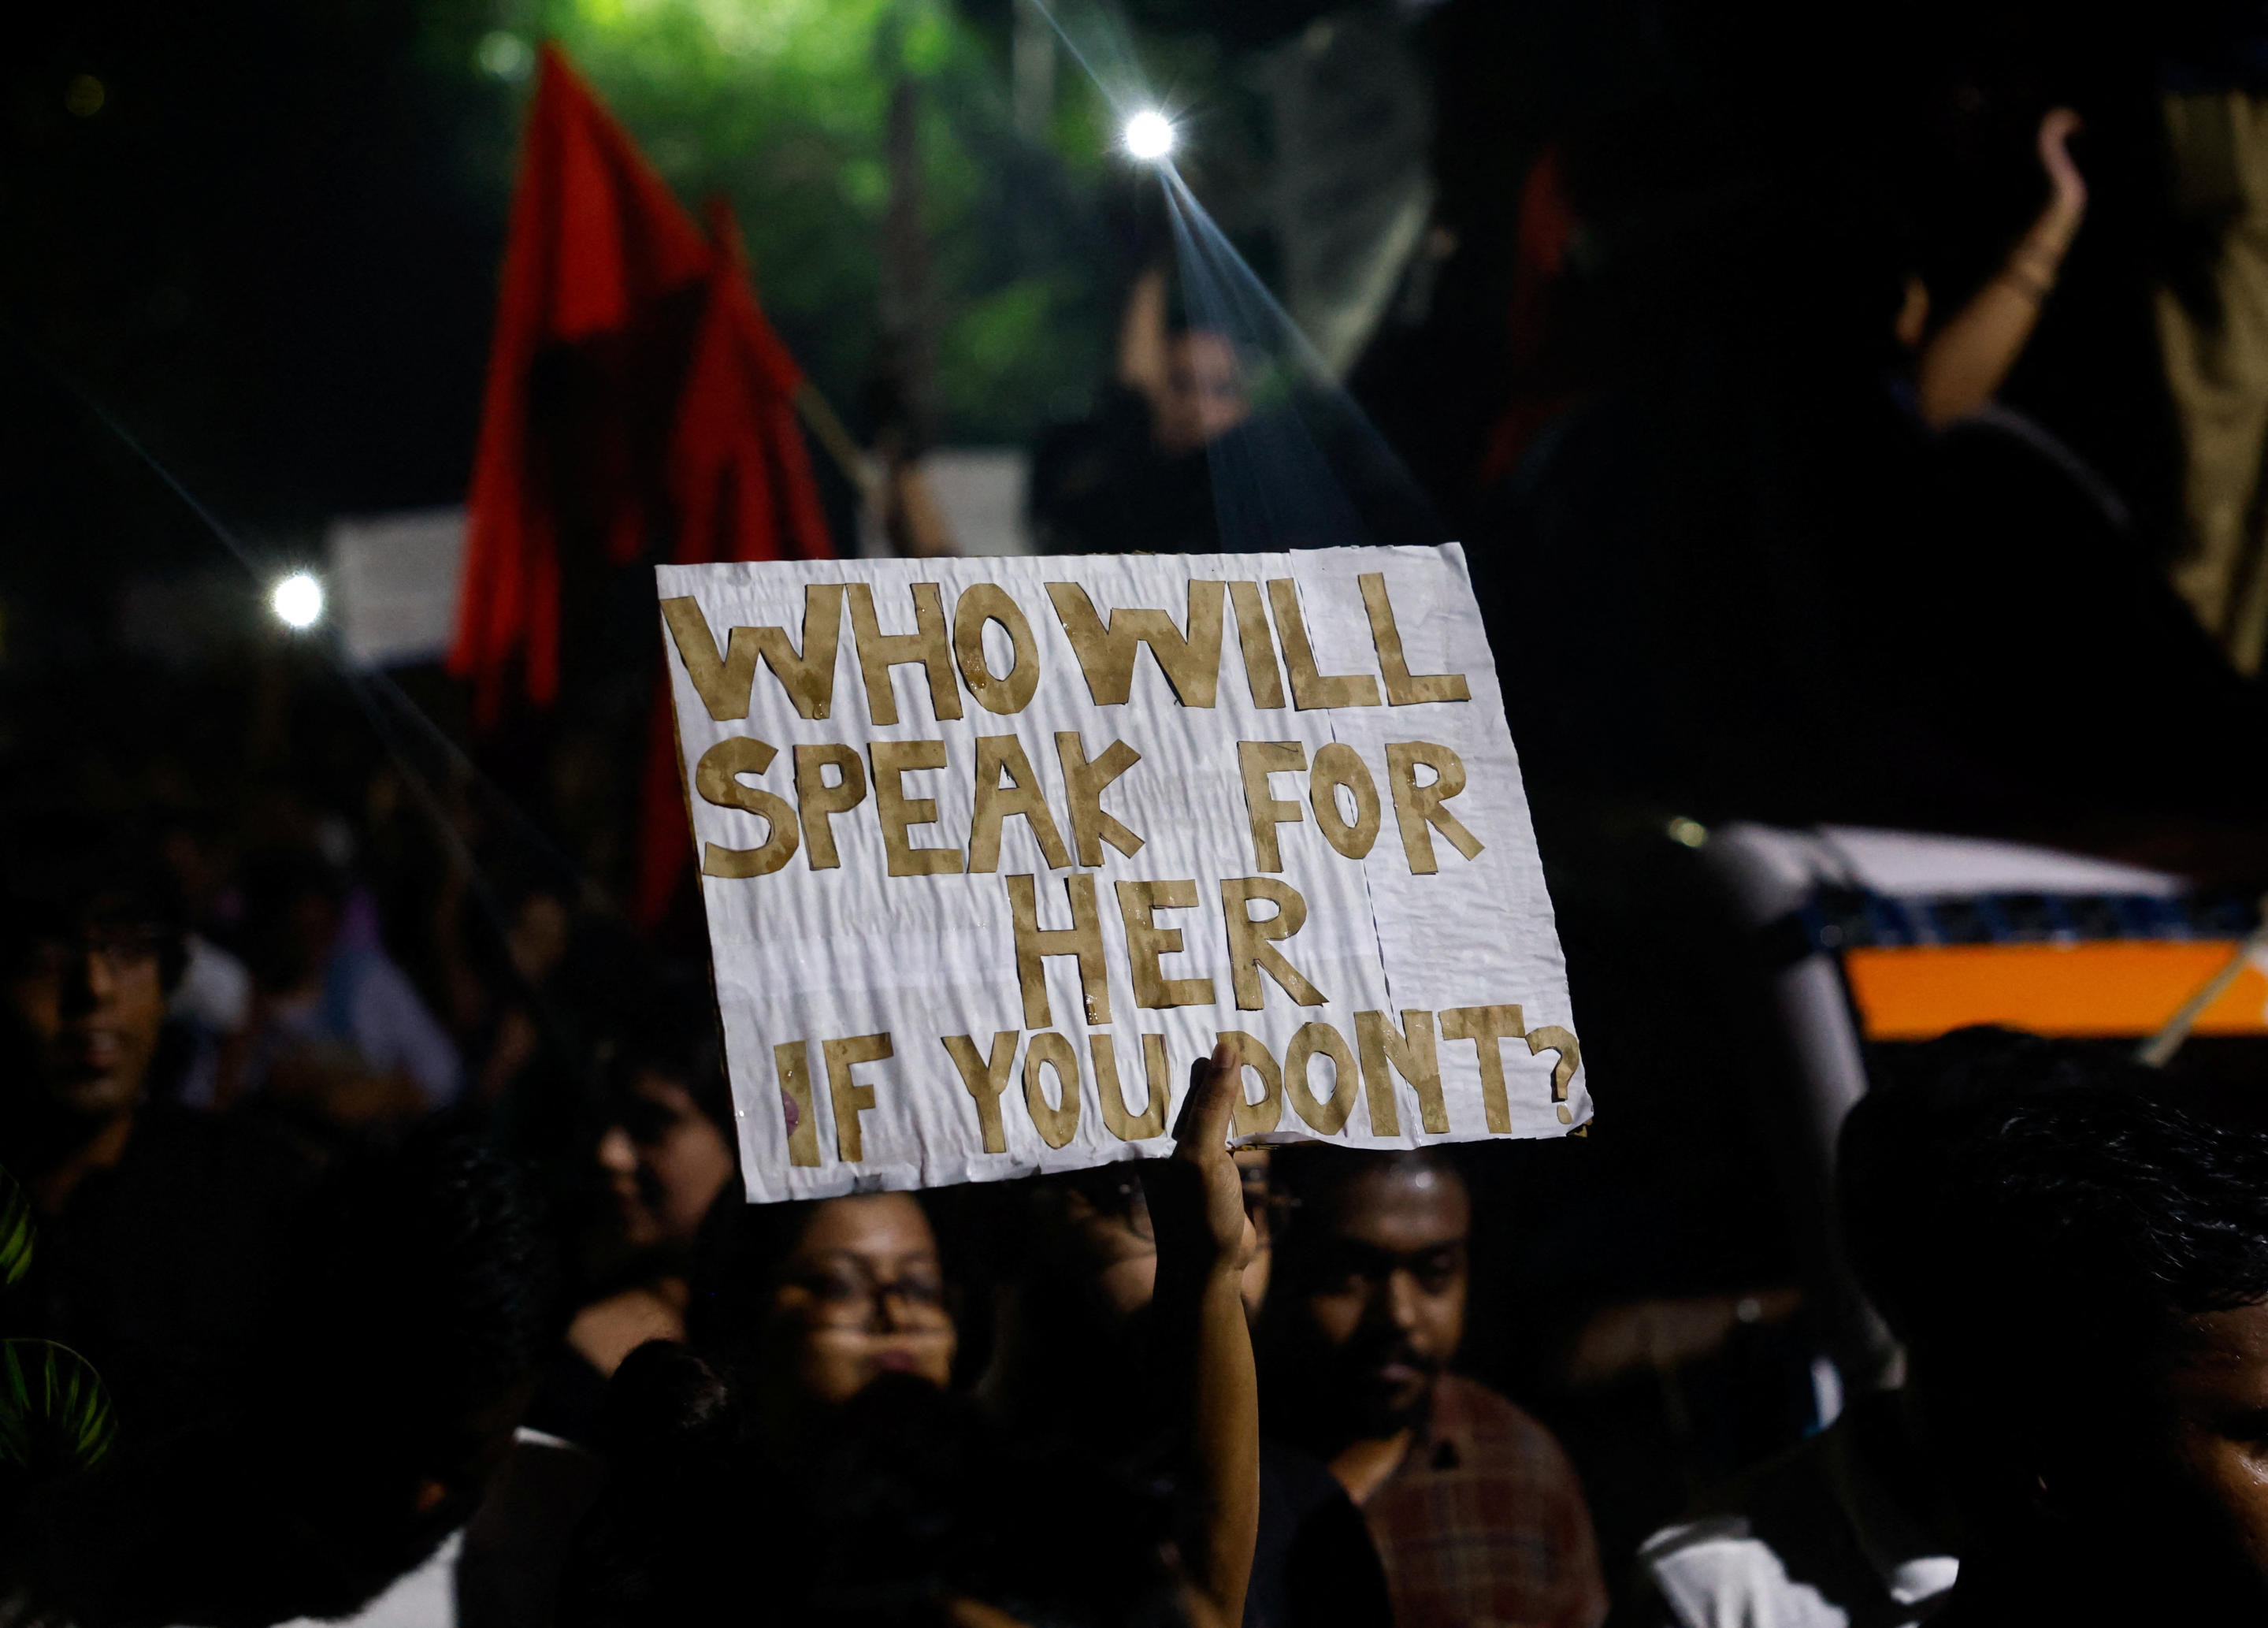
<point x="261" y="241"/>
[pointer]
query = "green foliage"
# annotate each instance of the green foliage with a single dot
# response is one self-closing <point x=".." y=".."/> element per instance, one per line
<point x="16" y="1231"/>
<point x="781" y="106"/>
<point x="1017" y="353"/>
<point x="54" y="1416"/>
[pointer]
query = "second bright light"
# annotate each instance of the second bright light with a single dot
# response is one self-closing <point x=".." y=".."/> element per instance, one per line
<point x="1149" y="136"/>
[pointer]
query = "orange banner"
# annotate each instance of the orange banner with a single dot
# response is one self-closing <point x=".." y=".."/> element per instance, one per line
<point x="2102" y="989"/>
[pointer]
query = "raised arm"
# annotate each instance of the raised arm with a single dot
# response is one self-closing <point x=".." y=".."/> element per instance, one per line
<point x="1196" y="1208"/>
<point x="1965" y="361"/>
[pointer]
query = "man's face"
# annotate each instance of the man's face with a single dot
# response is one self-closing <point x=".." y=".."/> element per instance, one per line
<point x="1383" y="1289"/>
<point x="90" y="1004"/>
<point x="2217" y="1387"/>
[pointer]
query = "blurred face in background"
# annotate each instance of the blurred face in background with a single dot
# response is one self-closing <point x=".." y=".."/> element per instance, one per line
<point x="1111" y="1221"/>
<point x="90" y="1003"/>
<point x="665" y="1161"/>
<point x="542" y="930"/>
<point x="1204" y="395"/>
<point x="1382" y="1280"/>
<point x="863" y="1295"/>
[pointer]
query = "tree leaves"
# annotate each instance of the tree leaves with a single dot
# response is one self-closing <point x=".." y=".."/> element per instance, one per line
<point x="16" y="1230"/>
<point x="55" y="1417"/>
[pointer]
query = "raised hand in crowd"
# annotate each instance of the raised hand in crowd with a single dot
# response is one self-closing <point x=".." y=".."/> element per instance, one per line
<point x="1967" y="358"/>
<point x="1205" y="1240"/>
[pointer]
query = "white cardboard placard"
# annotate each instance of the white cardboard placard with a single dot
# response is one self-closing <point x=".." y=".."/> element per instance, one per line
<point x="883" y="1016"/>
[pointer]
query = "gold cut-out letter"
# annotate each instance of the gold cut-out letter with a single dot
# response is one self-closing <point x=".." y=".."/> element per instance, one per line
<point x="1324" y="1116"/>
<point x="1339" y="764"/>
<point x="792" y="1059"/>
<point x="723" y="682"/>
<point x="986" y="1078"/>
<point x="808" y="676"/>
<point x="1084" y="783"/>
<point x="1035" y="944"/>
<point x="717" y="777"/>
<point x="1256" y="761"/>
<point x="1256" y="1119"/>
<point x="1057" y="1122"/>
<point x="816" y="800"/>
<point x="1416" y="806"/>
<point x="849" y="1098"/>
<point x="1251" y="951"/>
<point x="1485" y="1027"/>
<point x="898" y="812"/>
<point x="1117" y="1118"/>
<point x="1258" y="645"/>
<point x="925" y="647"/>
<point x="988" y="602"/>
<point x="1552" y="1037"/>
<point x="1106" y="649"/>
<point x="1402" y="688"/>
<point x="995" y="755"/>
<point x="1146" y="942"/>
<point x="1312" y="690"/>
<point x="1410" y="1052"/>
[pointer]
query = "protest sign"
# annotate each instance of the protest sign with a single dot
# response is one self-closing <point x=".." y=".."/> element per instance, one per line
<point x="993" y="849"/>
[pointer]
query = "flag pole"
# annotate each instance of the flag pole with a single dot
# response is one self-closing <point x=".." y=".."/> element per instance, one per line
<point x="828" y="431"/>
<point x="2159" y="1049"/>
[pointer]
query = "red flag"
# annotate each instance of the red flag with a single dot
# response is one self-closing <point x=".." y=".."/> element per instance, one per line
<point x="738" y="476"/>
<point x="740" y="483"/>
<point x="1547" y="227"/>
<point x="638" y="403"/>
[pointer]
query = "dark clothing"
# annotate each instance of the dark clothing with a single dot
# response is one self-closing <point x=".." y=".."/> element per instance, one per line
<point x="1102" y="486"/>
<point x="569" y="1398"/>
<point x="1863" y="622"/>
<point x="1824" y="1532"/>
<point x="2219" y="47"/>
<point x="2082" y="1587"/>
<point x="1313" y="1565"/>
<point x="1304" y="473"/>
<point x="161" y="1268"/>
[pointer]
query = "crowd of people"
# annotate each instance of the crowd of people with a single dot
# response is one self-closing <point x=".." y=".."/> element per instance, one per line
<point x="361" y="1351"/>
<point x="373" y="1244"/>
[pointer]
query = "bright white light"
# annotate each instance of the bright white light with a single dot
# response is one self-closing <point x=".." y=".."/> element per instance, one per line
<point x="298" y="601"/>
<point x="1149" y="136"/>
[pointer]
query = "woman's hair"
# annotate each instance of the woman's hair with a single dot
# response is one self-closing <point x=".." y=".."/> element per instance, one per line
<point x="1892" y="1156"/>
<point x="668" y="1541"/>
<point x="684" y="1053"/>
<point x="737" y="1262"/>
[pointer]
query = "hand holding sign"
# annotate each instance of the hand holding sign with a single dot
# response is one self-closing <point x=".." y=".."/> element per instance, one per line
<point x="1196" y="1196"/>
<point x="1204" y="1238"/>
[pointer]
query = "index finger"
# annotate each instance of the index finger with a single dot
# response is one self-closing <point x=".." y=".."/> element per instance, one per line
<point x="1214" y="1087"/>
